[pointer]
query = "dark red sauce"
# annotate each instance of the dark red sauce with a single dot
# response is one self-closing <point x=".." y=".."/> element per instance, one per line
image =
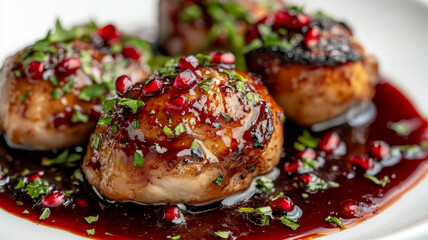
<point x="131" y="221"/>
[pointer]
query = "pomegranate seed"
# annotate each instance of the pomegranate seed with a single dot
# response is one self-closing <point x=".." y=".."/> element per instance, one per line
<point x="69" y="66"/>
<point x="364" y="162"/>
<point x="109" y="33"/>
<point x="185" y="80"/>
<point x="176" y="105"/>
<point x="329" y="142"/>
<point x="32" y="176"/>
<point x="35" y="70"/>
<point x="282" y="204"/>
<point x="379" y="149"/>
<point x="189" y="62"/>
<point x="123" y="85"/>
<point x="54" y="198"/>
<point x="152" y="87"/>
<point x="350" y="209"/>
<point x="81" y="203"/>
<point x="131" y="53"/>
<point x="292" y="167"/>
<point x="299" y="21"/>
<point x="283" y="19"/>
<point x="306" y="178"/>
<point x="223" y="57"/>
<point x="311" y="37"/>
<point x="308" y="153"/>
<point x="172" y="213"/>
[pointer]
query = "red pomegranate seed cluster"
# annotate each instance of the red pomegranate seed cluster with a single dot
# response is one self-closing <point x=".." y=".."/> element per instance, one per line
<point x="152" y="87"/>
<point x="54" y="198"/>
<point x="176" y="104"/>
<point x="35" y="70"/>
<point x="123" y="84"/>
<point x="282" y="204"/>
<point x="131" y="53"/>
<point x="329" y="142"/>
<point x="68" y="66"/>
<point x="379" y="149"/>
<point x="364" y="162"/>
<point x="185" y="80"/>
<point x="109" y="34"/>
<point x="188" y="62"/>
<point x="222" y="57"/>
<point x="289" y="20"/>
<point x="173" y="214"/>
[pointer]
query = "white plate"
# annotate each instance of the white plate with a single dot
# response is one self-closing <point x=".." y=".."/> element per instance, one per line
<point x="394" y="30"/>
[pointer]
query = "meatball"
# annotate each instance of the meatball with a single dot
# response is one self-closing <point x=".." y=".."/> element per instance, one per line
<point x="51" y="92"/>
<point x="313" y="67"/>
<point x="194" y="133"/>
<point x="188" y="27"/>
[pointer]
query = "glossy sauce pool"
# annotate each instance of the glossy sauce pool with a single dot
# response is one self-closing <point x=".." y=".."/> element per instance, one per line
<point x="405" y="167"/>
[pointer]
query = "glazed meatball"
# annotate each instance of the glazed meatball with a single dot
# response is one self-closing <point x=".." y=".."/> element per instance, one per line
<point x="51" y="92"/>
<point x="194" y="133"/>
<point x="188" y="27"/>
<point x="313" y="67"/>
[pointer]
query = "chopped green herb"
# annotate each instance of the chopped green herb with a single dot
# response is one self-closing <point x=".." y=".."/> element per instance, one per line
<point x="105" y="120"/>
<point x="53" y="80"/>
<point x="138" y="160"/>
<point x="334" y="184"/>
<point x="37" y="187"/>
<point x="135" y="124"/>
<point x="203" y="58"/>
<point x="400" y="128"/>
<point x="283" y="119"/>
<point x="179" y="129"/>
<point x="233" y="74"/>
<point x="264" y="210"/>
<point x="307" y="140"/>
<point x="96" y="142"/>
<point x="273" y="198"/>
<point x="191" y="13"/>
<point x="45" y="214"/>
<point x="305" y="195"/>
<point x="289" y="222"/>
<point x="19" y="203"/>
<point x="314" y="186"/>
<point x="25" y="211"/>
<point x="24" y="96"/>
<point x="17" y="73"/>
<point x="20" y="184"/>
<point x="376" y="180"/>
<point x="67" y="87"/>
<point x="299" y="147"/>
<point x="239" y="85"/>
<point x="91" y="219"/>
<point x="114" y="127"/>
<point x="66" y="159"/>
<point x="152" y="112"/>
<point x="252" y="96"/>
<point x="25" y="172"/>
<point x="79" y="117"/>
<point x="58" y="178"/>
<point x="131" y="103"/>
<point x="175" y="237"/>
<point x="206" y="88"/>
<point x="77" y="174"/>
<point x="218" y="180"/>
<point x="93" y="91"/>
<point x="90" y="232"/>
<point x="226" y="116"/>
<point x="194" y="145"/>
<point x="109" y="234"/>
<point x="296" y="8"/>
<point x="222" y="234"/>
<point x="56" y="93"/>
<point x="334" y="220"/>
<point x="309" y="162"/>
<point x="265" y="184"/>
<point x="158" y="148"/>
<point x="109" y="105"/>
<point x="246" y="210"/>
<point x="68" y="193"/>
<point x="167" y="130"/>
<point x="6" y="170"/>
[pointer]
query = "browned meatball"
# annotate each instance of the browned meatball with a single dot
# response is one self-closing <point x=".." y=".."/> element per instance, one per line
<point x="192" y="134"/>
<point x="51" y="92"/>
<point x="314" y="68"/>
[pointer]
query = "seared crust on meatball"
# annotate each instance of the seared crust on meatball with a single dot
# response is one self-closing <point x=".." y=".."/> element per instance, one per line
<point x="59" y="106"/>
<point x="322" y="74"/>
<point x="200" y="142"/>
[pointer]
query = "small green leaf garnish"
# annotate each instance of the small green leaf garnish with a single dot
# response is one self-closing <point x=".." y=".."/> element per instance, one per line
<point x="138" y="160"/>
<point x="191" y="13"/>
<point x="167" y="130"/>
<point x="307" y="140"/>
<point x="222" y="234"/>
<point x="67" y="87"/>
<point x="246" y="210"/>
<point x="25" y="172"/>
<point x="24" y="96"/>
<point x="334" y="220"/>
<point x="376" y="180"/>
<point x="289" y="222"/>
<point x="114" y="127"/>
<point x="179" y="129"/>
<point x="20" y="184"/>
<point x="305" y="195"/>
<point x="105" y="120"/>
<point x="218" y="180"/>
<point x="56" y="93"/>
<point x="226" y="116"/>
<point x="299" y="147"/>
<point x="66" y="159"/>
<point x="264" y="184"/>
<point x="334" y="184"/>
<point x="78" y="116"/>
<point x="309" y="162"/>
<point x="135" y="124"/>
<point x="91" y="219"/>
<point x="93" y="91"/>
<point x="206" y="88"/>
<point x="17" y="73"/>
<point x="175" y="237"/>
<point x="37" y="187"/>
<point x="19" y="203"/>
<point x="240" y="85"/>
<point x="45" y="214"/>
<point x="53" y="80"/>
<point x="6" y="170"/>
<point x="234" y="75"/>
<point x="96" y="142"/>
<point x="297" y="9"/>
<point x="109" y="234"/>
<point x="400" y="128"/>
<point x="68" y="193"/>
<point x="273" y="198"/>
<point x="158" y="148"/>
<point x="262" y="211"/>
<point x="90" y="232"/>
<point x="194" y="145"/>
<point x="283" y="119"/>
<point x="109" y="105"/>
<point x="203" y="58"/>
<point x="25" y="211"/>
<point x="131" y="103"/>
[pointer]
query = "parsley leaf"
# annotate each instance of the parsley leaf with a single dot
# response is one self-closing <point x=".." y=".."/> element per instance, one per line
<point x="138" y="160"/>
<point x="400" y="128"/>
<point x="167" y="130"/>
<point x="179" y="129"/>
<point x="90" y="232"/>
<point x="56" y="93"/>
<point x="264" y="184"/>
<point x="307" y="140"/>
<point x="131" y="103"/>
<point x="25" y="211"/>
<point x="96" y="142"/>
<point x="218" y="180"/>
<point x="105" y="120"/>
<point x="78" y="116"/>
<point x="37" y="187"/>
<point x="226" y="116"/>
<point x="334" y="220"/>
<point x="24" y="96"/>
<point x="135" y="124"/>
<point x="91" y="219"/>
<point x="222" y="234"/>
<point x="66" y="159"/>
<point x="108" y="105"/>
<point x="191" y="13"/>
<point x="194" y="145"/>
<point x="93" y="91"/>
<point x="45" y="214"/>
